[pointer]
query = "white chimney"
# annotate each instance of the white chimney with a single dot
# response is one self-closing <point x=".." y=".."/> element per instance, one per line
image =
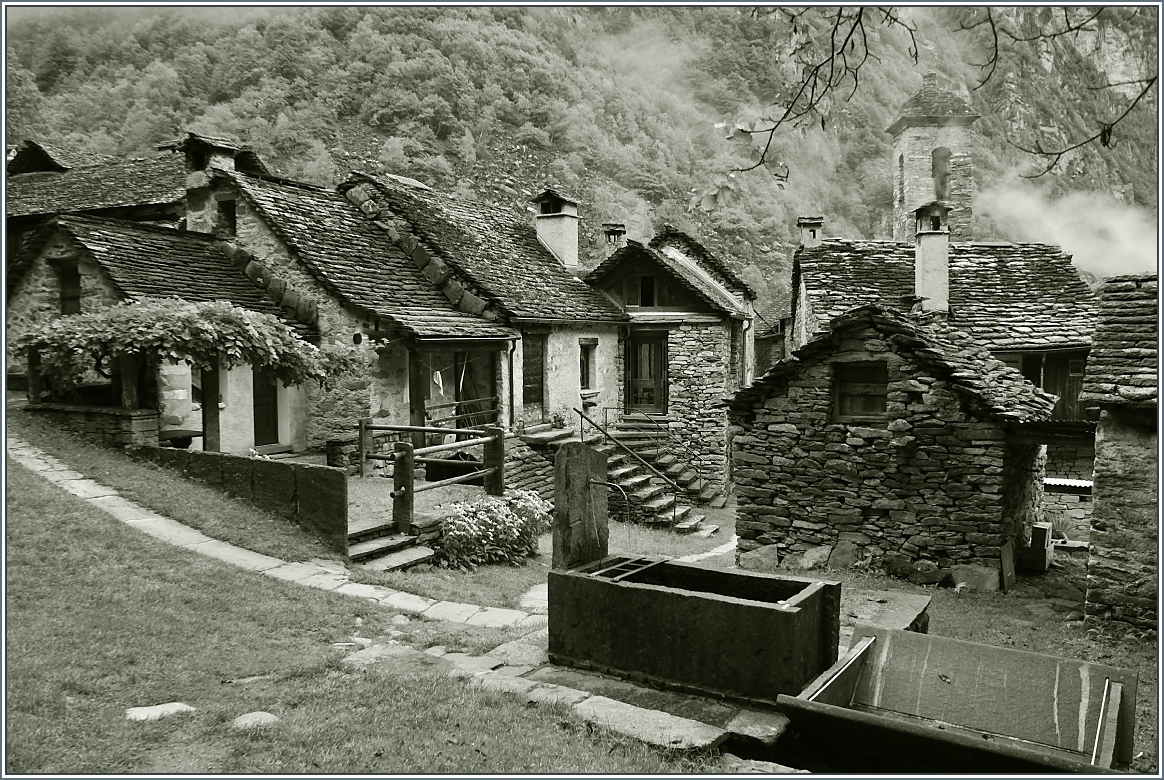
<point x="557" y="226"/>
<point x="615" y="234"/>
<point x="931" y="264"/>
<point x="811" y="229"/>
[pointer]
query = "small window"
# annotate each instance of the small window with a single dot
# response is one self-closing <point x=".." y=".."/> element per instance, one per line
<point x="586" y="350"/>
<point x="227" y="221"/>
<point x="646" y="291"/>
<point x="859" y="390"/>
<point x="935" y="223"/>
<point x="70" y="289"/>
<point x="551" y="207"/>
<point x="1075" y="367"/>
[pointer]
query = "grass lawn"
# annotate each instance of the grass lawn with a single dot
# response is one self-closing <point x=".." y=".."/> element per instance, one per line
<point x="102" y="618"/>
<point x="164" y="491"/>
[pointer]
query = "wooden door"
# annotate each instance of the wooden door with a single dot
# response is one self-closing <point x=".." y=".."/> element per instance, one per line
<point x="646" y="372"/>
<point x="266" y="394"/>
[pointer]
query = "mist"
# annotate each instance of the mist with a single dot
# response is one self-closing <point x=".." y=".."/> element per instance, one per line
<point x="1104" y="236"/>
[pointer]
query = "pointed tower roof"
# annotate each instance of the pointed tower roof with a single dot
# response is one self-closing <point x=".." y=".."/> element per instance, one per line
<point x="932" y="105"/>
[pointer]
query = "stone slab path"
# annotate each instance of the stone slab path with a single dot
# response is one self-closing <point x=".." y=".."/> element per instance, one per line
<point x="510" y="667"/>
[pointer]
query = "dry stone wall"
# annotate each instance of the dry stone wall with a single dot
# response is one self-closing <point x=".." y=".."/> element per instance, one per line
<point x="1122" y="567"/>
<point x="932" y="481"/>
<point x="105" y="425"/>
<point x="698" y="372"/>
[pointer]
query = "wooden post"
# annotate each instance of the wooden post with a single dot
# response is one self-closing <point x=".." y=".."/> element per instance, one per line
<point x="365" y="445"/>
<point x="580" y="511"/>
<point x="402" y="488"/>
<point x="416" y="387"/>
<point x="495" y="456"/>
<point x="35" y="385"/>
<point x="211" y="435"/>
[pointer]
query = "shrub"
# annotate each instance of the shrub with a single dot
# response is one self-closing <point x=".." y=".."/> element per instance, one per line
<point x="495" y="529"/>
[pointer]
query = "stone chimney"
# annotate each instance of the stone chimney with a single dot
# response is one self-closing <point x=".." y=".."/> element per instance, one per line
<point x="557" y="226"/>
<point x="810" y="231"/>
<point x="615" y="233"/>
<point x="931" y="264"/>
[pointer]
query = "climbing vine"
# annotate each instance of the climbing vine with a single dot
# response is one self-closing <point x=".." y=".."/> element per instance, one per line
<point x="173" y="330"/>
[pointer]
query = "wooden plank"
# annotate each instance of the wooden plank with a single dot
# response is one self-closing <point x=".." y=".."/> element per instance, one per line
<point x="1039" y="698"/>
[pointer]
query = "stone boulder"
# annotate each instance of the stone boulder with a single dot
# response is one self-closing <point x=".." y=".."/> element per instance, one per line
<point x="897" y="565"/>
<point x="765" y="559"/>
<point x="844" y="555"/>
<point x="980" y="578"/>
<point x="811" y="558"/>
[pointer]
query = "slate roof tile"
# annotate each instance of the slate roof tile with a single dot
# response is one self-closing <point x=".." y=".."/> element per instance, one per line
<point x="118" y="183"/>
<point x="151" y="261"/>
<point x="932" y="102"/>
<point x="355" y="261"/>
<point x="494" y="250"/>
<point x="700" y="254"/>
<point x="679" y="266"/>
<point x="1009" y="296"/>
<point x="1122" y="368"/>
<point x="33" y="156"/>
<point x="994" y="388"/>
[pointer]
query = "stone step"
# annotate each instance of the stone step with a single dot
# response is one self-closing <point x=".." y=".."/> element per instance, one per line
<point x="665" y="460"/>
<point x="634" y="482"/>
<point x="689" y="524"/>
<point x="719" y="502"/>
<point x="646" y="492"/>
<point x="548" y="436"/>
<point x="706" y="531"/>
<point x="401" y="559"/>
<point x="687" y="478"/>
<point x="618" y="473"/>
<point x="660" y="504"/>
<point x="360" y="530"/>
<point x="379" y="546"/>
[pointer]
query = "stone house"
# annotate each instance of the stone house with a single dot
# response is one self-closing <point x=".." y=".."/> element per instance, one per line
<point x="1121" y="386"/>
<point x="895" y="432"/>
<point x="80" y="263"/>
<point x="1025" y="302"/>
<point x="690" y="342"/>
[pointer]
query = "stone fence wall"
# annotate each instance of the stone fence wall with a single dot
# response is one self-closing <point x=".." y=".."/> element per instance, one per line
<point x="105" y="424"/>
<point x="314" y="497"/>
<point x="1122" y="573"/>
<point x="697" y="358"/>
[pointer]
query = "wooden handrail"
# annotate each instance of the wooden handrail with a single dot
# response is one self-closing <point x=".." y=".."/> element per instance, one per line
<point x="423" y="429"/>
<point x="633" y="454"/>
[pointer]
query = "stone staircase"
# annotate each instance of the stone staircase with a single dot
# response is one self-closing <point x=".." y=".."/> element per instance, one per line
<point x="378" y="545"/>
<point x="648" y="438"/>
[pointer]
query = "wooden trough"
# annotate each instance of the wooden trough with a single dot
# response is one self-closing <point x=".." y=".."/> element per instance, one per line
<point x="740" y="635"/>
<point x="899" y="701"/>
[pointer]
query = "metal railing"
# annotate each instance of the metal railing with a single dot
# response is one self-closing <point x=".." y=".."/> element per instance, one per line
<point x="406" y="456"/>
<point x="688" y="454"/>
<point x="676" y="491"/>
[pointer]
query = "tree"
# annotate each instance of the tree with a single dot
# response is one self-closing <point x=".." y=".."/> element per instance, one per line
<point x="828" y="49"/>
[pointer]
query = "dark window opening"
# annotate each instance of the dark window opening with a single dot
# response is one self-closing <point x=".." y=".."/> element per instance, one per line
<point x="901" y="179"/>
<point x="227" y="221"/>
<point x="586" y="366"/>
<point x="551" y="207"/>
<point x="859" y="390"/>
<point x="646" y="291"/>
<point x="70" y="289"/>
<point x="1075" y="367"/>
<point x="812" y="233"/>
<point x="935" y="223"/>
<point x="940" y="171"/>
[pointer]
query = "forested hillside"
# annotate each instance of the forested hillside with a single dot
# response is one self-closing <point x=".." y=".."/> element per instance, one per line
<point x="495" y="102"/>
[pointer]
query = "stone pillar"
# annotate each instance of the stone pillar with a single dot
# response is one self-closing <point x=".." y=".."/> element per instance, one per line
<point x="580" y="514"/>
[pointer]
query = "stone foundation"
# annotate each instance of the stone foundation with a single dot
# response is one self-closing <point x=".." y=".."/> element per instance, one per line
<point x="1122" y="568"/>
<point x="105" y="425"/>
<point x="1070" y="461"/>
<point x="529" y="468"/>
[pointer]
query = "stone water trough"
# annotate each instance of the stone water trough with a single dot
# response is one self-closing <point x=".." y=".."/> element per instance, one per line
<point x="742" y="635"/>
<point x="903" y="702"/>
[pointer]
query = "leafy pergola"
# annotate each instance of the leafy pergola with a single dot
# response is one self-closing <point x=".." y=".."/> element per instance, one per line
<point x="208" y="335"/>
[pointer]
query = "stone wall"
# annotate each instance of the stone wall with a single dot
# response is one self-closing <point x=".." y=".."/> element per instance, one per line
<point x="1068" y="510"/>
<point x="529" y="468"/>
<point x="314" y="497"/>
<point x="1070" y="461"/>
<point x="105" y="425"/>
<point x="916" y="145"/>
<point x="1122" y="570"/>
<point x="697" y="373"/>
<point x="932" y="481"/>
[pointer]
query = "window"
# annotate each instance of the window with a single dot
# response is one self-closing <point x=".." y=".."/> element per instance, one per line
<point x="227" y="222"/>
<point x="1075" y="367"/>
<point x="859" y="390"/>
<point x="586" y="350"/>
<point x="640" y="291"/>
<point x="901" y="179"/>
<point x="70" y="289"/>
<point x="551" y="207"/>
<point x="940" y="171"/>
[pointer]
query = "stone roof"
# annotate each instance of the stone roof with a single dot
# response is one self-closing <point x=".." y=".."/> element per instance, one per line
<point x="680" y="267"/>
<point x="117" y="183"/>
<point x="33" y="156"/>
<point x="354" y="261"/>
<point x="151" y="261"/>
<point x="493" y="249"/>
<point x="932" y="105"/>
<point x="1122" y="367"/>
<point x="701" y="255"/>
<point x="1009" y="296"/>
<point x="993" y="387"/>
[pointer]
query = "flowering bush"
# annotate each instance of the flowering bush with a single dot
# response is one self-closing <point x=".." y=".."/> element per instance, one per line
<point x="495" y="529"/>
